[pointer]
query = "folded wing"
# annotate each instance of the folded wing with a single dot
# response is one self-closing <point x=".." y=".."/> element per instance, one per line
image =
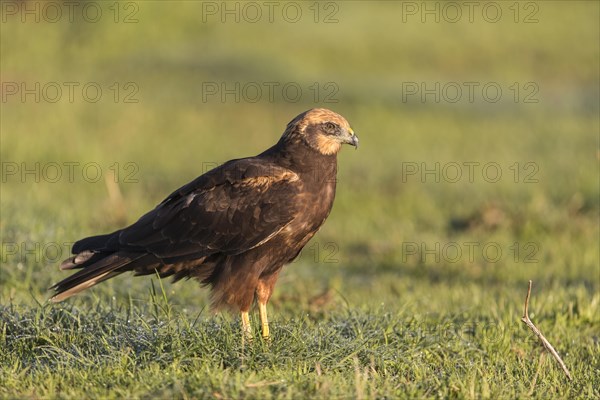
<point x="228" y="210"/>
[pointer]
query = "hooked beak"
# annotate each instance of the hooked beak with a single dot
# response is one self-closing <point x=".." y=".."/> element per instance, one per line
<point x="351" y="139"/>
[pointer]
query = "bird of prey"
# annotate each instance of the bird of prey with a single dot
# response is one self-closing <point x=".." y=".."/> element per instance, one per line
<point x="234" y="227"/>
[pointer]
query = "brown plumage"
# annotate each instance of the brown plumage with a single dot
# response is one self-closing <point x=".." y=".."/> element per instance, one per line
<point x="232" y="228"/>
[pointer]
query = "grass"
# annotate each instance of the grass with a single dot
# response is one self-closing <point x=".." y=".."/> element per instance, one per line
<point x="156" y="349"/>
<point x="402" y="294"/>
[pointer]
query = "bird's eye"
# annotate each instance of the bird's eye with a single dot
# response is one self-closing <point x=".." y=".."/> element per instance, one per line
<point x="330" y="127"/>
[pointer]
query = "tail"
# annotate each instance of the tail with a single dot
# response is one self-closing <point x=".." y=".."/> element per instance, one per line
<point x="99" y="260"/>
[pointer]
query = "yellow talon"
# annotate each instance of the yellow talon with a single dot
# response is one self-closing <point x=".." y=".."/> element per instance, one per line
<point x="262" y="309"/>
<point x="246" y="327"/>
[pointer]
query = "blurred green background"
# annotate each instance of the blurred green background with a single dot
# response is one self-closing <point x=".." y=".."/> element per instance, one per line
<point x="185" y="86"/>
<point x="179" y="95"/>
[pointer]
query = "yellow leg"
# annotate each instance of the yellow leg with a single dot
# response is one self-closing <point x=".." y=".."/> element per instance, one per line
<point x="246" y="328"/>
<point x="262" y="308"/>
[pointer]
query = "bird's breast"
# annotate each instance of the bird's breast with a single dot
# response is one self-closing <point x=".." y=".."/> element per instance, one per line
<point x="314" y="208"/>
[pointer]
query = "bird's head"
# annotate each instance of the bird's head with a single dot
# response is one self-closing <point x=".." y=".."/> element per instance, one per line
<point x="322" y="130"/>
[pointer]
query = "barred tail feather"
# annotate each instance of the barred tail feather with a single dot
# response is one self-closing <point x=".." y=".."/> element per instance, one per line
<point x="104" y="268"/>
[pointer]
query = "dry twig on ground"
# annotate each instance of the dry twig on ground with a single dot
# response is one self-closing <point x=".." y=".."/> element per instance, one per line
<point x="539" y="334"/>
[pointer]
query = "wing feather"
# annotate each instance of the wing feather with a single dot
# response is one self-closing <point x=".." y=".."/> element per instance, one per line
<point x="229" y="210"/>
